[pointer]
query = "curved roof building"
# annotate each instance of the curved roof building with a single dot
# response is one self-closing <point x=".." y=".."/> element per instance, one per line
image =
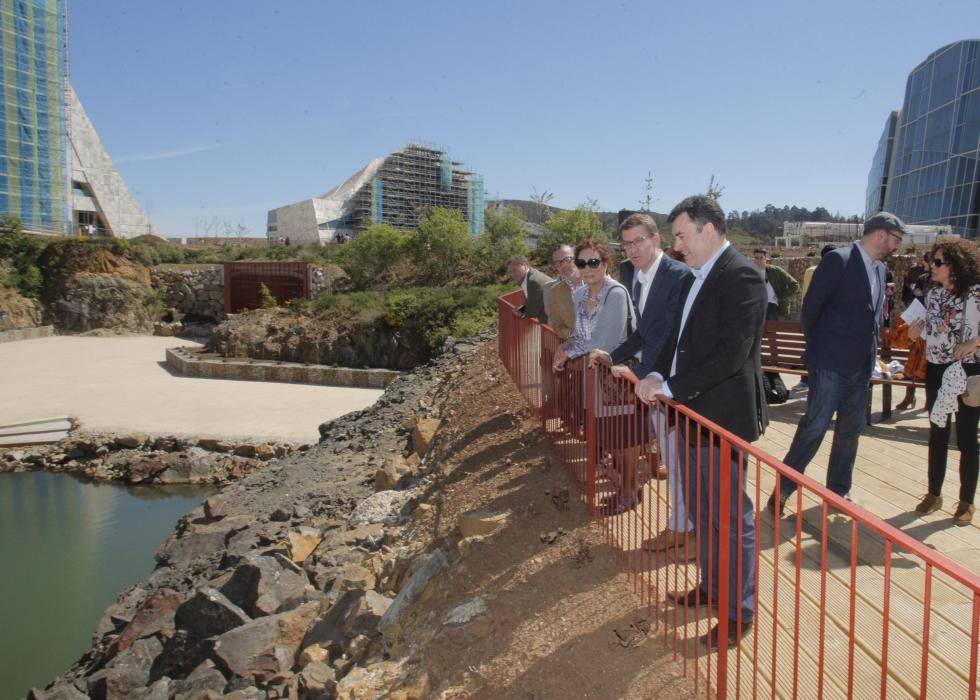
<point x="925" y="168"/>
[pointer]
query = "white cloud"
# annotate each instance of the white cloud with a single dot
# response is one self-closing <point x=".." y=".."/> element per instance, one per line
<point x="171" y="153"/>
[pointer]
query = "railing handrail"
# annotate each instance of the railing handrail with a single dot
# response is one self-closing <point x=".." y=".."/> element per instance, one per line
<point x="865" y="517"/>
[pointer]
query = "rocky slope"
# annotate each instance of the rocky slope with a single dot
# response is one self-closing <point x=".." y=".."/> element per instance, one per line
<point x="428" y="547"/>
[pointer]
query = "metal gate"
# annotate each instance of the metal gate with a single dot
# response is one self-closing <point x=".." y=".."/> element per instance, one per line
<point x="244" y="280"/>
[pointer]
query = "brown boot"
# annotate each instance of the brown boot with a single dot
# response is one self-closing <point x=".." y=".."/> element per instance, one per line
<point x="964" y="513"/>
<point x="929" y="504"/>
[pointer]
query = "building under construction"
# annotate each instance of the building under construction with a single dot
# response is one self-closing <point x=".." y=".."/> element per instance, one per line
<point x="395" y="190"/>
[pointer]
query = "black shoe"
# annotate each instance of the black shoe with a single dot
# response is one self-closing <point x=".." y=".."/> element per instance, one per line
<point x="771" y="504"/>
<point x="694" y="598"/>
<point x="735" y="634"/>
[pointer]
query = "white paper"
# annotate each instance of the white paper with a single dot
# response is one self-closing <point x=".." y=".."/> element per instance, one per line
<point x="915" y="312"/>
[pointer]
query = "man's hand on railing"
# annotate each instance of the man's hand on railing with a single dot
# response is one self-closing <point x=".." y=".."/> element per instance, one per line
<point x="623" y="372"/>
<point x="560" y="358"/>
<point x="599" y="357"/>
<point x="648" y="389"/>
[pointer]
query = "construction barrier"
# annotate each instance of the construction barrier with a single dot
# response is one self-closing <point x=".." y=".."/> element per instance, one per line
<point x="845" y="605"/>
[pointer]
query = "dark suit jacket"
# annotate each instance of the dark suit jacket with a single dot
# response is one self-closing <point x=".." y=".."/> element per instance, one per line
<point x="656" y="323"/>
<point x="719" y="367"/>
<point x="534" y="303"/>
<point x="839" y="318"/>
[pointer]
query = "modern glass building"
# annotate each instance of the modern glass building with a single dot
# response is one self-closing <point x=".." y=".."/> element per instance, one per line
<point x="882" y="163"/>
<point x="929" y="174"/>
<point x="34" y="166"/>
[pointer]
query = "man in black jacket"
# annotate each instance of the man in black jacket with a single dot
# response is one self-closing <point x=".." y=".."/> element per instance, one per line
<point x="712" y="365"/>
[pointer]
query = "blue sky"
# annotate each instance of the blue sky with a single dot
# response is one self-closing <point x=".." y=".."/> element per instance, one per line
<point x="218" y="111"/>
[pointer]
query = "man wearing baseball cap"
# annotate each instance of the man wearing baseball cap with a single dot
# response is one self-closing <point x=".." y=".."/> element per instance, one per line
<point x="841" y="318"/>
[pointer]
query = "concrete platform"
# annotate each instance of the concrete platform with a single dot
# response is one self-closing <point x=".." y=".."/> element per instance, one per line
<point x="121" y="384"/>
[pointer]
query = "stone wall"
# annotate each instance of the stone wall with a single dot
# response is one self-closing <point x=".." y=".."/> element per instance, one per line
<point x="198" y="292"/>
<point x="191" y="363"/>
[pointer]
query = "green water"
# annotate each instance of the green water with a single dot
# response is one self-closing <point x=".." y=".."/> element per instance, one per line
<point x="67" y="549"/>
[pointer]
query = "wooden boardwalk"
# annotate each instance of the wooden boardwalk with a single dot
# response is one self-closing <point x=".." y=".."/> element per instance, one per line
<point x="889" y="479"/>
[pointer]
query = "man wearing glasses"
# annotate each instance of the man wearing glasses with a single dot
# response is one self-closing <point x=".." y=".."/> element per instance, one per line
<point x="657" y="281"/>
<point x="842" y="313"/>
<point x="558" y="304"/>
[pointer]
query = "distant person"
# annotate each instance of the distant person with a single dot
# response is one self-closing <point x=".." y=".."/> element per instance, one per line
<point x="532" y="284"/>
<point x="842" y="313"/>
<point x="712" y="364"/>
<point x="780" y="285"/>
<point x="920" y="268"/>
<point x="287" y="241"/>
<point x="951" y="331"/>
<point x="558" y="305"/>
<point x="808" y="273"/>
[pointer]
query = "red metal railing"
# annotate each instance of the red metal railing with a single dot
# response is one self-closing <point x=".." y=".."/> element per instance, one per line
<point x="846" y="604"/>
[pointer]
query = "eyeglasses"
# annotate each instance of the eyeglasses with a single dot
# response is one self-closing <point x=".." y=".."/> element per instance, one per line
<point x="561" y="261"/>
<point x="591" y="262"/>
<point x="937" y="262"/>
<point x="896" y="236"/>
<point x="635" y="242"/>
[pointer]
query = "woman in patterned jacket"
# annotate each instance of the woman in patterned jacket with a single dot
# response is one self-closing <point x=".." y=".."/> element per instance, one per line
<point x="951" y="331"/>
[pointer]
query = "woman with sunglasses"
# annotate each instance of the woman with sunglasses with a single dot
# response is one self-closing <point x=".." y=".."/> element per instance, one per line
<point x="951" y="330"/>
<point x="602" y="312"/>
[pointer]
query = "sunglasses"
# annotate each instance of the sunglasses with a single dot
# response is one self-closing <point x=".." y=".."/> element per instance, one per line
<point x="937" y="262"/>
<point x="591" y="262"/>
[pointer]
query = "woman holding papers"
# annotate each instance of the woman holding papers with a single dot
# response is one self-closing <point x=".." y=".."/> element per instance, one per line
<point x="951" y="329"/>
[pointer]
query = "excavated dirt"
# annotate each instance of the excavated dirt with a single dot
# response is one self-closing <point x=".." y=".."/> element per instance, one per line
<point x="552" y="609"/>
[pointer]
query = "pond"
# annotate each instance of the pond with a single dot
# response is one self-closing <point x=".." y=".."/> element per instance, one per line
<point x="68" y="548"/>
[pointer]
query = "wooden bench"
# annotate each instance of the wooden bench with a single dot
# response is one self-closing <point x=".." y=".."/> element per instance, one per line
<point x="783" y="347"/>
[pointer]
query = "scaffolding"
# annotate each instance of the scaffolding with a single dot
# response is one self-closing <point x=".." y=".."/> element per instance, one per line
<point x="34" y="115"/>
<point x="413" y="180"/>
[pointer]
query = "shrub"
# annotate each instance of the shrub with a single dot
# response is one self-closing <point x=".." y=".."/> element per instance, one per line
<point x="400" y="306"/>
<point x="441" y="244"/>
<point x="371" y="254"/>
<point x="22" y="251"/>
<point x="268" y="298"/>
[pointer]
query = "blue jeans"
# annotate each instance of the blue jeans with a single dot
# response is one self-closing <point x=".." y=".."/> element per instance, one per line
<point x="830" y="392"/>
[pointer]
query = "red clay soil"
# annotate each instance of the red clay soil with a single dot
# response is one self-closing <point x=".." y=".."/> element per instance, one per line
<point x="553" y="610"/>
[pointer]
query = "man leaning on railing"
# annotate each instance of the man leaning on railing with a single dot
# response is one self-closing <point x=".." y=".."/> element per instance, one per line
<point x="712" y="364"/>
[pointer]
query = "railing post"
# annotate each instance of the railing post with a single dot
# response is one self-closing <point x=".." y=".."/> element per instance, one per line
<point x="724" y="564"/>
<point x="591" y="437"/>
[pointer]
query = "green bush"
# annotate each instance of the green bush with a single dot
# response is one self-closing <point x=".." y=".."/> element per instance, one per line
<point x="371" y="254"/>
<point x="22" y="251"/>
<point x="441" y="245"/>
<point x="269" y="300"/>
<point x="503" y="237"/>
<point x="432" y="313"/>
<point x="400" y="306"/>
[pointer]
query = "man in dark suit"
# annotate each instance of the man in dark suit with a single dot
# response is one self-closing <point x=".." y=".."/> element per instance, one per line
<point x="841" y="318"/>
<point x="533" y="283"/>
<point x="655" y="281"/>
<point x="712" y="364"/>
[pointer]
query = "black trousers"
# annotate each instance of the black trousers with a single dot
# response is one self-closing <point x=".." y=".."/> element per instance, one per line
<point x="967" y="419"/>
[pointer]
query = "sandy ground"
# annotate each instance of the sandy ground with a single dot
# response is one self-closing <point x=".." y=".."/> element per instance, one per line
<point x="121" y="384"/>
